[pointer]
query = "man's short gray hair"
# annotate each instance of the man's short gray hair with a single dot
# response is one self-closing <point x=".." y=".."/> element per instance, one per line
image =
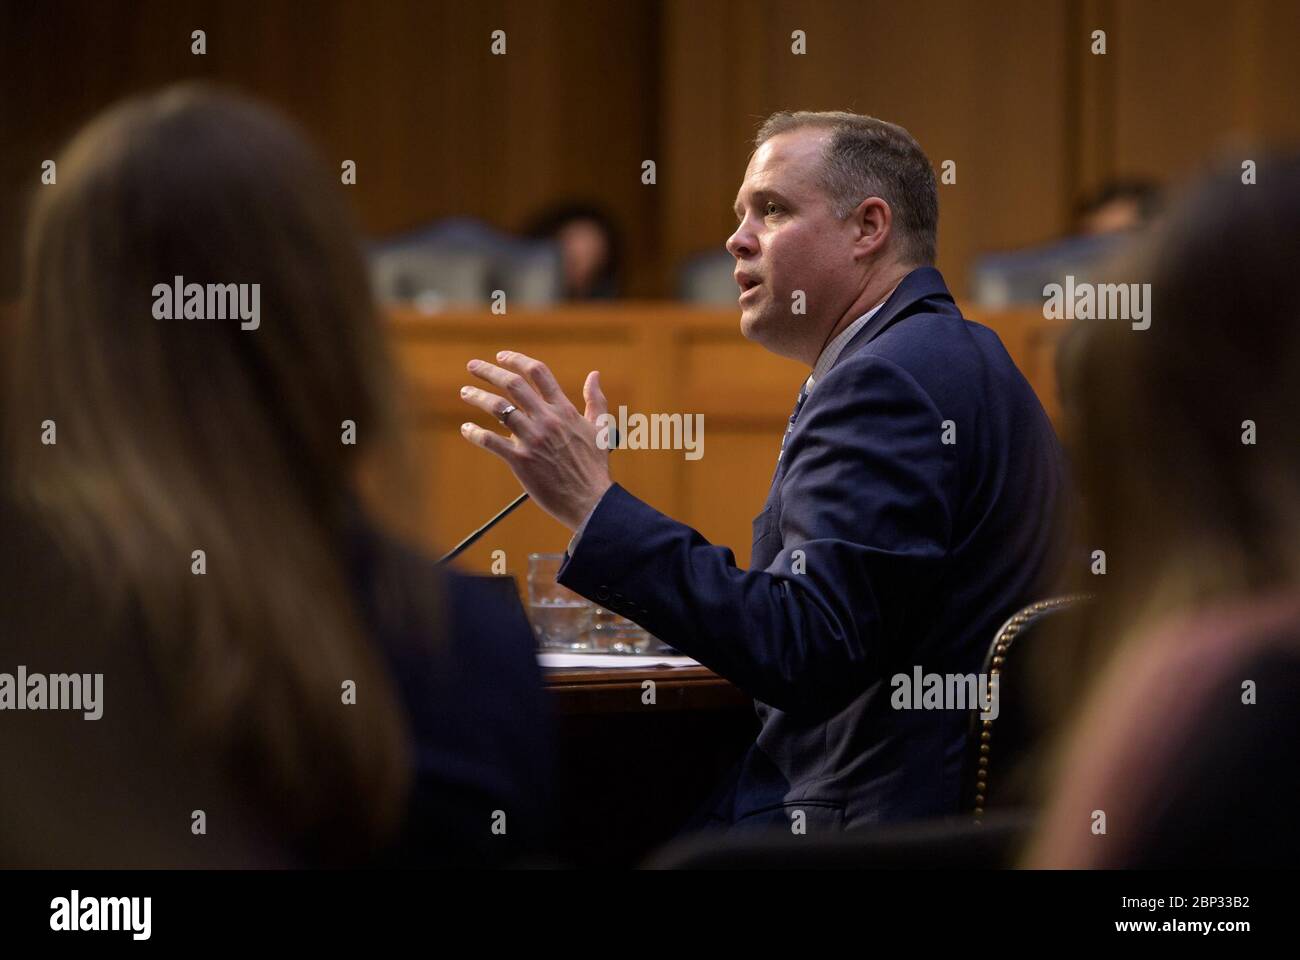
<point x="867" y="157"/>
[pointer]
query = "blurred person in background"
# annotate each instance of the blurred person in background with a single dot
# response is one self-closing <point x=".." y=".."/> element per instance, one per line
<point x="1105" y="224"/>
<point x="590" y="249"/>
<point x="1118" y="207"/>
<point x="316" y="689"/>
<point x="1187" y="445"/>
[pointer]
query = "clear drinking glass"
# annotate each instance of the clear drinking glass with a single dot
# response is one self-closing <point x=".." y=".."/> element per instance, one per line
<point x="611" y="633"/>
<point x="561" y="619"/>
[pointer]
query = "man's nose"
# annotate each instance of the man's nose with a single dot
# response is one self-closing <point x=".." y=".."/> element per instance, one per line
<point x="741" y="243"/>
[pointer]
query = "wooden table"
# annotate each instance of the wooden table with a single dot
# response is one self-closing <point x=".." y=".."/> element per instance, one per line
<point x="632" y="774"/>
<point x="622" y="690"/>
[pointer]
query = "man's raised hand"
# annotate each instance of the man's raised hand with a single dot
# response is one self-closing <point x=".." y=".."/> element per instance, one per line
<point x="553" y="450"/>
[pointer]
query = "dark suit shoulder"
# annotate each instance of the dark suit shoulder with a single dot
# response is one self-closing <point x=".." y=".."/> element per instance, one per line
<point x="925" y="339"/>
<point x="959" y="364"/>
<point x="466" y="669"/>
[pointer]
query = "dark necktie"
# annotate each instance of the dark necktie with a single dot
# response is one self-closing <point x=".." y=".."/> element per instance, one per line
<point x="798" y="405"/>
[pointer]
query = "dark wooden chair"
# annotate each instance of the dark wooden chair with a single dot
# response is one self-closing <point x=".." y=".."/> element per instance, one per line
<point x="999" y="744"/>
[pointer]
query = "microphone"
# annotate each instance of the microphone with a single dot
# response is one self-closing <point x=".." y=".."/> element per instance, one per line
<point x="474" y="537"/>
<point x="508" y="509"/>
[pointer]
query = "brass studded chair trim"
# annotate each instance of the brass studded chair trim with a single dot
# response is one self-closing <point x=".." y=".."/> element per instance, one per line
<point x="993" y="661"/>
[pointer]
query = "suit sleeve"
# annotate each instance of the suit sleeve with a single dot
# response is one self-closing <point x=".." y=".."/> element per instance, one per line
<point x="866" y="513"/>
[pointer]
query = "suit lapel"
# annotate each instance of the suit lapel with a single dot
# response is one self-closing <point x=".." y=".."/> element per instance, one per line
<point x="921" y="284"/>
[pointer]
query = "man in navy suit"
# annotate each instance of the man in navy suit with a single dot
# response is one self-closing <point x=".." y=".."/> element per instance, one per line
<point x="913" y="508"/>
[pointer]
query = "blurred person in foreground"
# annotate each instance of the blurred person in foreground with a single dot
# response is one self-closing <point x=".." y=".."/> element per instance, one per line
<point x="306" y="690"/>
<point x="1187" y="445"/>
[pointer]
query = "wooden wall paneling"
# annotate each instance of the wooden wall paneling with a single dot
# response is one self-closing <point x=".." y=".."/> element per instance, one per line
<point x="1090" y="102"/>
<point x="1201" y="79"/>
<point x="982" y="85"/>
<point x="588" y="90"/>
<point x="407" y="88"/>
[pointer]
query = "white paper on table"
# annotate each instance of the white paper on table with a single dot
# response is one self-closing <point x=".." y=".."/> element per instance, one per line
<point x="553" y="659"/>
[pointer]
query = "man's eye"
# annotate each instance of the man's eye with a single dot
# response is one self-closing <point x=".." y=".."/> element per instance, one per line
<point x="770" y="208"/>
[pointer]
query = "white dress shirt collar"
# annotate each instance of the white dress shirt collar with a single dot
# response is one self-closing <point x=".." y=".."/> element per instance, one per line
<point x="831" y="352"/>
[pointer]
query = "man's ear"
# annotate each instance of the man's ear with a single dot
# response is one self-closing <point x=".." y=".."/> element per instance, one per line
<point x="873" y="224"/>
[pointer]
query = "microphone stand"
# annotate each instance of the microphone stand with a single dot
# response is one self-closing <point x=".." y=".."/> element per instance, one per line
<point x="474" y="537"/>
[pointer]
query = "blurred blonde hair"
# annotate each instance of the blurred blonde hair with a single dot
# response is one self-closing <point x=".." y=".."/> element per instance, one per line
<point x="1190" y="517"/>
<point x="184" y="434"/>
<point x="1188" y="514"/>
